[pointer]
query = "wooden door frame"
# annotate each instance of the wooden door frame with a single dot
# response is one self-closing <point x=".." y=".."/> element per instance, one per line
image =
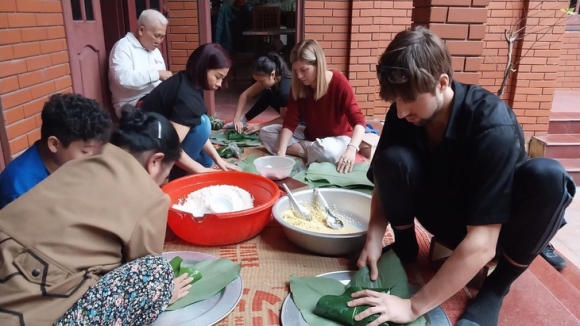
<point x="204" y="21"/>
<point x="68" y="28"/>
<point x="5" y="155"/>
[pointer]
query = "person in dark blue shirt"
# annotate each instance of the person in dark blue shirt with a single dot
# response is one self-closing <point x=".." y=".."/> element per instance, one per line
<point x="72" y="127"/>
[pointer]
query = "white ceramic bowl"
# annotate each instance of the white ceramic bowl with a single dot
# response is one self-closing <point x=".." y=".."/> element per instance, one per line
<point x="274" y="167"/>
<point x="353" y="204"/>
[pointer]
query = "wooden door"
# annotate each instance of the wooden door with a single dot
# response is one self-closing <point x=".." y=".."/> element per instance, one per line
<point x="134" y="9"/>
<point x="86" y="47"/>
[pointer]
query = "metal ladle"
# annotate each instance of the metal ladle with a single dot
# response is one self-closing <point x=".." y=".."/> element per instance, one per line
<point x="332" y="220"/>
<point x="302" y="211"/>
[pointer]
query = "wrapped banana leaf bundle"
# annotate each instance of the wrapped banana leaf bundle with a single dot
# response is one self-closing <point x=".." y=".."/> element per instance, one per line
<point x="209" y="278"/>
<point x="216" y="124"/>
<point x="334" y="307"/>
<point x="224" y="137"/>
<point x="323" y="301"/>
<point x="234" y="135"/>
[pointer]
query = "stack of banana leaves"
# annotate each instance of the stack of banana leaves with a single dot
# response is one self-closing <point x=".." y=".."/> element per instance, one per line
<point x="224" y="137"/>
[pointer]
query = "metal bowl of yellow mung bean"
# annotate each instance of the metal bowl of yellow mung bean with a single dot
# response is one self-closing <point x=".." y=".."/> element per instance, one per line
<point x="351" y="206"/>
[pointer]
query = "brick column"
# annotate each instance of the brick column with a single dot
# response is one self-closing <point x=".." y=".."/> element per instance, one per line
<point x="533" y="83"/>
<point x="374" y="24"/>
<point x="461" y="23"/>
<point x="182" y="32"/>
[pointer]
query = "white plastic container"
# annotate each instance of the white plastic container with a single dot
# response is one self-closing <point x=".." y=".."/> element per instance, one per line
<point x="274" y="167"/>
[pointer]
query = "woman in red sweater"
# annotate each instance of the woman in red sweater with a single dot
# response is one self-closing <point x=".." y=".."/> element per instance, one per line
<point x="323" y="122"/>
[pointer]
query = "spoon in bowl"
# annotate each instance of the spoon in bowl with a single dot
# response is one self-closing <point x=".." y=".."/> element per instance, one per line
<point x="219" y="205"/>
<point x="332" y="220"/>
<point x="301" y="210"/>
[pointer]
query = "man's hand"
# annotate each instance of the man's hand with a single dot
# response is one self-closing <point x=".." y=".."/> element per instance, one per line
<point x="164" y="74"/>
<point x="369" y="256"/>
<point x="389" y="307"/>
<point x="181" y="288"/>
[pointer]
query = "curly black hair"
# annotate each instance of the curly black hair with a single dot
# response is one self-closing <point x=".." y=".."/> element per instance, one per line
<point x="73" y="117"/>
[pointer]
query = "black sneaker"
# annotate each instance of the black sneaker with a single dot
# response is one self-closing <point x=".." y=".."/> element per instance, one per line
<point x="552" y="257"/>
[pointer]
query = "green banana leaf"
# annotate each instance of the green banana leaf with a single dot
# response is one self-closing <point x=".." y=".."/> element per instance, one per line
<point x="234" y="135"/>
<point x="222" y="137"/>
<point x="176" y="264"/>
<point x="334" y="307"/>
<point x="327" y="172"/>
<point x="217" y="274"/>
<point x="308" y="291"/>
<point x="191" y="272"/>
<point x="179" y="269"/>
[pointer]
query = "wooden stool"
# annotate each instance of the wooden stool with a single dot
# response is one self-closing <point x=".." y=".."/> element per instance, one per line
<point x="369" y="145"/>
<point x="439" y="250"/>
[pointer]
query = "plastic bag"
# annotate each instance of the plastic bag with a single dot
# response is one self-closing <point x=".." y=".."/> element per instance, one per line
<point x="230" y="150"/>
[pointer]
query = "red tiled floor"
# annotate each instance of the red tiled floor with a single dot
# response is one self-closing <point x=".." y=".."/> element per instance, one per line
<point x="227" y="101"/>
<point x="531" y="303"/>
<point x="566" y="240"/>
<point x="560" y="115"/>
<point x="558" y="139"/>
<point x="566" y="101"/>
<point x="559" y="286"/>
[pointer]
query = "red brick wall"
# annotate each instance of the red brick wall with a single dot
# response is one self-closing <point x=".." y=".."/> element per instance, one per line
<point x="183" y="32"/>
<point x="374" y="24"/>
<point x="34" y="63"/>
<point x="327" y="22"/>
<point x="531" y="87"/>
<point x="461" y="24"/>
<point x="501" y="15"/>
<point x="569" y="68"/>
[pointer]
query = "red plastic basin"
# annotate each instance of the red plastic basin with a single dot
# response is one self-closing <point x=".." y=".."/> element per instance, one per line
<point x="226" y="228"/>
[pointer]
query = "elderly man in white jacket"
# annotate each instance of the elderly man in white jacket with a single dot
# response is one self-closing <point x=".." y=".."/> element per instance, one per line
<point x="136" y="65"/>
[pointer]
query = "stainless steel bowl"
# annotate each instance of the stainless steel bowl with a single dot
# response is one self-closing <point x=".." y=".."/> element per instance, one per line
<point x="350" y="203"/>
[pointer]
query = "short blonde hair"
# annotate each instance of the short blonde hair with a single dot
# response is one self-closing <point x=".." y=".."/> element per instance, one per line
<point x="310" y="52"/>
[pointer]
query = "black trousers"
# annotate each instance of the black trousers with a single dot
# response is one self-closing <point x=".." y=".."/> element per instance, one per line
<point x="267" y="98"/>
<point x="542" y="190"/>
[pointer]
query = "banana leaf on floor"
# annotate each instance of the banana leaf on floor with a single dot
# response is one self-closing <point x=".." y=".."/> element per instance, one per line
<point x="316" y="297"/>
<point x="324" y="175"/>
<point x="226" y="136"/>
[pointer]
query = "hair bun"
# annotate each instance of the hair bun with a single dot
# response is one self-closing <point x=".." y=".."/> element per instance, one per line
<point x="132" y="119"/>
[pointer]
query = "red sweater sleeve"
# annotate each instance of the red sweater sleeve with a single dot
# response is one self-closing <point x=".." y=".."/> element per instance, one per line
<point x="350" y="106"/>
<point x="292" y="117"/>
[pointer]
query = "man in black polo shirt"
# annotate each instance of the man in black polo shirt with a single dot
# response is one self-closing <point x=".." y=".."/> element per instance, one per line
<point x="452" y="155"/>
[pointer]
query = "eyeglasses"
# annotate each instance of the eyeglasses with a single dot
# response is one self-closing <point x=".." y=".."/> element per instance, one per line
<point x="395" y="75"/>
